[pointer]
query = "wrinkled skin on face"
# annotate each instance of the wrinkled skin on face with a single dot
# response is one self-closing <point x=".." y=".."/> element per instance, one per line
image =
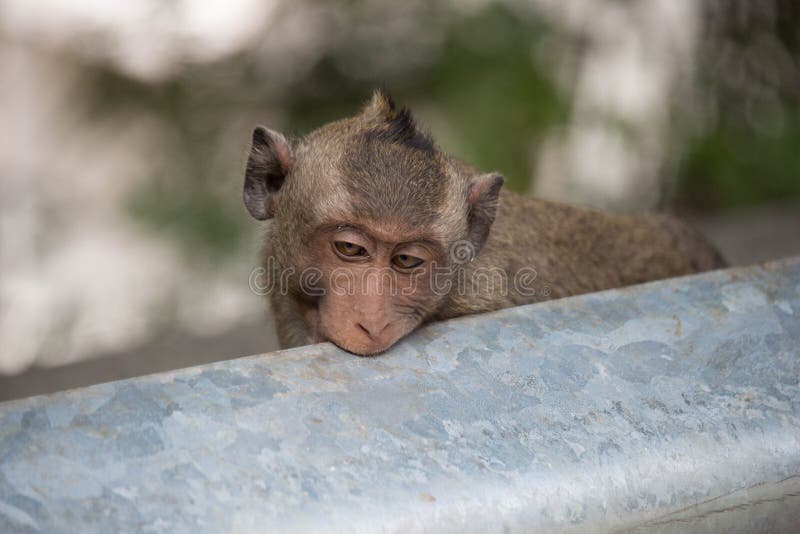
<point x="378" y="285"/>
<point x="364" y="212"/>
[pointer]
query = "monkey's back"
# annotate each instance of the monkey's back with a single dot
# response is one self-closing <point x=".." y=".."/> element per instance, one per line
<point x="576" y="250"/>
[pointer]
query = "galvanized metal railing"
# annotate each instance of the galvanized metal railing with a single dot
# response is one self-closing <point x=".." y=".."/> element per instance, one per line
<point x="671" y="406"/>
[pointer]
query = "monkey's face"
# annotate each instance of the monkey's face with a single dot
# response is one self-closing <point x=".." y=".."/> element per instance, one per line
<point x="377" y="283"/>
<point x="367" y="211"/>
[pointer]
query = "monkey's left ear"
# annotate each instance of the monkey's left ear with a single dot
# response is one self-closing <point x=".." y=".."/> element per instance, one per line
<point x="484" y="191"/>
<point x="269" y="162"/>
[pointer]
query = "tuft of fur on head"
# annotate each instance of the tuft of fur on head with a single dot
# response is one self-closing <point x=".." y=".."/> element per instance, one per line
<point x="393" y="124"/>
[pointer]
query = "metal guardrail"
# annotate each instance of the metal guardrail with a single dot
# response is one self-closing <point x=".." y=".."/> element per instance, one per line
<point x="671" y="406"/>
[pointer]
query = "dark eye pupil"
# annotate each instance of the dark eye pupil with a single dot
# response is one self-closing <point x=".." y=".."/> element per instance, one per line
<point x="403" y="257"/>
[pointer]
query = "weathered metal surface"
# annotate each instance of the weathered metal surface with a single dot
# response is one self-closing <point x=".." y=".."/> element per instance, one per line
<point x="672" y="406"/>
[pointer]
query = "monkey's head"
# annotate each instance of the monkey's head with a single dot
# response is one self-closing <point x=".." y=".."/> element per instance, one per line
<point x="370" y="223"/>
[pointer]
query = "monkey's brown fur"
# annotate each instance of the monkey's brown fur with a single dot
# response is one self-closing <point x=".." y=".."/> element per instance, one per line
<point x="377" y="182"/>
<point x="575" y="250"/>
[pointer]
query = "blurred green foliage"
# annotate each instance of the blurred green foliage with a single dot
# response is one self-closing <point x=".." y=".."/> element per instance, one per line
<point x="750" y="73"/>
<point x="733" y="167"/>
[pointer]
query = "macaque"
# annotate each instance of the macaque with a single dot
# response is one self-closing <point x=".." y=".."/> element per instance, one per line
<point x="374" y="231"/>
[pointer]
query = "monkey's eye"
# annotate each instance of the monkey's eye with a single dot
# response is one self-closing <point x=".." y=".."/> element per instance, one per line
<point x="404" y="261"/>
<point x="349" y="250"/>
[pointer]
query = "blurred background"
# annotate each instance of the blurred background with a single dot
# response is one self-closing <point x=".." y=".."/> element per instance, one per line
<point x="124" y="247"/>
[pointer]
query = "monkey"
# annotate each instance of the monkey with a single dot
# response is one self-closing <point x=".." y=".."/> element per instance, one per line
<point x="374" y="231"/>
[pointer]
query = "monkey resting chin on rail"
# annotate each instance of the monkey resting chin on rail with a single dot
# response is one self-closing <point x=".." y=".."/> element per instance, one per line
<point x="374" y="231"/>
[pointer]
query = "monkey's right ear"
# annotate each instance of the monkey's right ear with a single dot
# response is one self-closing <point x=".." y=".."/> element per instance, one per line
<point x="269" y="162"/>
<point x="482" y="198"/>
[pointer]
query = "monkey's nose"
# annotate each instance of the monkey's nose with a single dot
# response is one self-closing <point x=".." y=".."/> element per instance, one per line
<point x="373" y="328"/>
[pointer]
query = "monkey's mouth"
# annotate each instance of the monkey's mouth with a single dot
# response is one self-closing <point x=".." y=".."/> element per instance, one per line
<point x="361" y="353"/>
<point x="360" y="347"/>
<point x="361" y="344"/>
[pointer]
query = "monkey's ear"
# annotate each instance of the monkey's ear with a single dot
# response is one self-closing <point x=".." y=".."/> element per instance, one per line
<point x="482" y="197"/>
<point x="269" y="162"/>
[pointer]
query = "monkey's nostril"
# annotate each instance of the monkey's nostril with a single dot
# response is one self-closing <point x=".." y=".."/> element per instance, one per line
<point x="361" y="326"/>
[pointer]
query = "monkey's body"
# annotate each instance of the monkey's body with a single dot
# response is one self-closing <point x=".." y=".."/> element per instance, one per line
<point x="571" y="250"/>
<point x="377" y="215"/>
